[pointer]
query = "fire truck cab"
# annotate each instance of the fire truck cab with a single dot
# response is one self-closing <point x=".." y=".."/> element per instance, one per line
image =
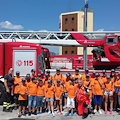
<point x="22" y="56"/>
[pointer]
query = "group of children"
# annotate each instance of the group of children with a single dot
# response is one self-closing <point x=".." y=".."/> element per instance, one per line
<point x="46" y="91"/>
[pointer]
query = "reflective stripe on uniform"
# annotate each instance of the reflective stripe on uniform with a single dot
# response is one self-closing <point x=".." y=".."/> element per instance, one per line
<point x="4" y="104"/>
<point x="8" y="105"/>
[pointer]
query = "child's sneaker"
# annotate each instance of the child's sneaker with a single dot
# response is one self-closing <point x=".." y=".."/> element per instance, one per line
<point x="62" y="113"/>
<point x="67" y="114"/>
<point x="19" y="116"/>
<point x="40" y="112"/>
<point x="105" y="111"/>
<point x="95" y="110"/>
<point x="99" y="111"/>
<point x="72" y="114"/>
<point x="24" y="114"/>
<point x="49" y="112"/>
<point x="53" y="114"/>
<point x="29" y="113"/>
<point x="110" y="111"/>
<point x="58" y="111"/>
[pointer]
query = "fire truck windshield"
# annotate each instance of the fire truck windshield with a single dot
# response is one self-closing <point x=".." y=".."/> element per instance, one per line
<point x="111" y="40"/>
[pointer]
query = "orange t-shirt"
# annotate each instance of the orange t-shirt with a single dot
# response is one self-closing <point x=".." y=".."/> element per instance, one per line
<point x="55" y="77"/>
<point x="50" y="77"/>
<point x="33" y="76"/>
<point x="58" y="91"/>
<point x="104" y="79"/>
<point x="50" y="91"/>
<point x="74" y="76"/>
<point x="97" y="86"/>
<point x="109" y="86"/>
<point x="27" y="83"/>
<point x="22" y="89"/>
<point x="71" y="91"/>
<point x="76" y="85"/>
<point x="16" y="80"/>
<point x="90" y="88"/>
<point x="46" y="83"/>
<point x="43" y="79"/>
<point x="41" y="90"/>
<point x="32" y="89"/>
<point x="83" y="77"/>
<point x="66" y="84"/>
<point x="113" y="79"/>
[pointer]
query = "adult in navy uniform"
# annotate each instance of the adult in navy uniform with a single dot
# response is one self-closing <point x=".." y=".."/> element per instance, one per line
<point x="8" y="82"/>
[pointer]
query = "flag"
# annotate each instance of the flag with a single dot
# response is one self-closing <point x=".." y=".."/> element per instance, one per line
<point x="86" y="4"/>
<point x="83" y="15"/>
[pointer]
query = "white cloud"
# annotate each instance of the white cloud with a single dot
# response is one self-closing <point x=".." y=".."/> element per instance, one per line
<point x="100" y="29"/>
<point x="10" y="26"/>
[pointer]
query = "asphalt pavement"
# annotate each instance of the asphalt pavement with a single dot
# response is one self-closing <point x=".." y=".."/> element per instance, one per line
<point x="45" y="116"/>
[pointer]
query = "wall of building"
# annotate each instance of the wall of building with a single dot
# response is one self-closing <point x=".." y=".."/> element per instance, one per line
<point x="78" y="25"/>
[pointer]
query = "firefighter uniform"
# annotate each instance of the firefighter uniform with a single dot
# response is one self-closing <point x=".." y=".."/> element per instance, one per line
<point x="83" y="101"/>
<point x="7" y="96"/>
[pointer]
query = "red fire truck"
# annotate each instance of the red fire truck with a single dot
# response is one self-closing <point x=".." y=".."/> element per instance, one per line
<point x="109" y="46"/>
<point x="69" y="61"/>
<point x="22" y="56"/>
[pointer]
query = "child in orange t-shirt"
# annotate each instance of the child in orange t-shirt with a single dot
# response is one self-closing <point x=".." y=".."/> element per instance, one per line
<point x="109" y="89"/>
<point x="50" y="90"/>
<point x="33" y="73"/>
<point x="17" y="82"/>
<point x="40" y="96"/>
<point x="32" y="92"/>
<point x="70" y="98"/>
<point x="46" y="80"/>
<point x="96" y="85"/>
<point x="22" y="90"/>
<point x="66" y="82"/>
<point x="58" y="96"/>
<point x="76" y="82"/>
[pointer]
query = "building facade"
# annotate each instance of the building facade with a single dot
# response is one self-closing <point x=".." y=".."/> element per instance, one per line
<point x="74" y="21"/>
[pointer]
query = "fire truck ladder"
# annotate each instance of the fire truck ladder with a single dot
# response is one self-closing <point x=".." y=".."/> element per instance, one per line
<point x="51" y="38"/>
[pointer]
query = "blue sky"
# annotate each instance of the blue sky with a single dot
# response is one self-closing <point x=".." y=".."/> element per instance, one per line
<point x="44" y="14"/>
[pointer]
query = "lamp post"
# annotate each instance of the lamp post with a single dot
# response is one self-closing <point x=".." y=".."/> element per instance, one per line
<point x="85" y="29"/>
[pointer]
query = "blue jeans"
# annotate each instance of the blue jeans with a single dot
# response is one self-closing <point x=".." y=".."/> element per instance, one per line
<point x="49" y="99"/>
<point x="40" y="102"/>
<point x="32" y="101"/>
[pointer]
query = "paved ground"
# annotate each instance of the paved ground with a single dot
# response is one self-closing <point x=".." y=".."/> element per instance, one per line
<point x="45" y="116"/>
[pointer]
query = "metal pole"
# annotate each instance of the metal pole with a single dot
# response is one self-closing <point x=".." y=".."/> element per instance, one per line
<point x="85" y="29"/>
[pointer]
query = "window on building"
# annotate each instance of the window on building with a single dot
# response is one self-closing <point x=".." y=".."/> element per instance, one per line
<point x="72" y="19"/>
<point x="66" y="29"/>
<point x="73" y="29"/>
<point x="72" y="52"/>
<point x="65" y="52"/>
<point x="66" y="20"/>
<point x="79" y="61"/>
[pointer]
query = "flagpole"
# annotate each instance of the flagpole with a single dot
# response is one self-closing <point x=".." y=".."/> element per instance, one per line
<point x="85" y="29"/>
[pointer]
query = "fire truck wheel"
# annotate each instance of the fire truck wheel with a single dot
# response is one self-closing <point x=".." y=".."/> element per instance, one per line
<point x="2" y="90"/>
